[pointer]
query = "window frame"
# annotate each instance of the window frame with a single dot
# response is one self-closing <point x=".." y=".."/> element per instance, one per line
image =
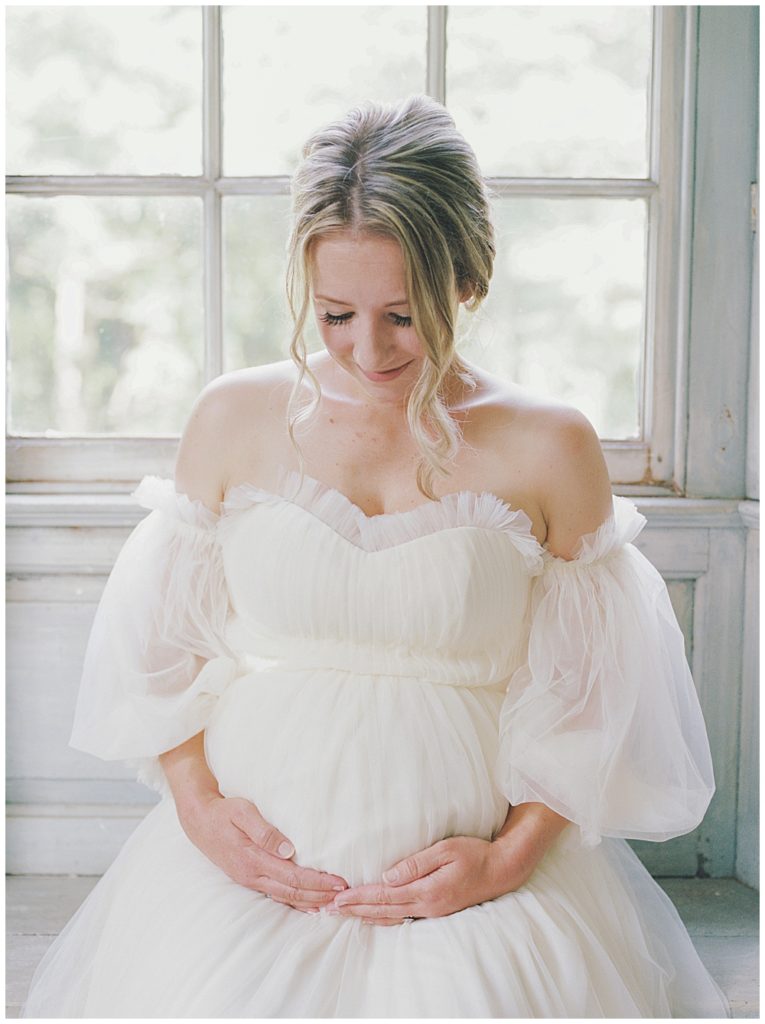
<point x="651" y="465"/>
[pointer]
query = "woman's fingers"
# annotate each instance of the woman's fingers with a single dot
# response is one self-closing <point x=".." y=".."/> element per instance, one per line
<point x="310" y="901"/>
<point x="229" y="831"/>
<point x="383" y="904"/>
<point x="377" y="912"/>
<point x="418" y="865"/>
<point x="254" y="853"/>
<point x="374" y="894"/>
<point x="288" y="873"/>
<point x="246" y="816"/>
<point x="269" y="840"/>
<point x="294" y="894"/>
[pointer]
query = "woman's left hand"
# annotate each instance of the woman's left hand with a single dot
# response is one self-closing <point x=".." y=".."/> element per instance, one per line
<point x="451" y="875"/>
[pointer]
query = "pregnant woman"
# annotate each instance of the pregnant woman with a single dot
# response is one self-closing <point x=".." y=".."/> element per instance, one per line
<point x="387" y="650"/>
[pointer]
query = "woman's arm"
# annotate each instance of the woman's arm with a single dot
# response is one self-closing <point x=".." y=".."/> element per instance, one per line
<point x="575" y="497"/>
<point x="527" y="834"/>
<point x="191" y="782"/>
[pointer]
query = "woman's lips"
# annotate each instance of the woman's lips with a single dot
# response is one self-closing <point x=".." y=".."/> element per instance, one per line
<point x="387" y="375"/>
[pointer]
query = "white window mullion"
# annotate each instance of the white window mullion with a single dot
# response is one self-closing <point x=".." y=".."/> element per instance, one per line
<point x="649" y="362"/>
<point x="105" y="185"/>
<point x="683" y="250"/>
<point x="435" y="71"/>
<point x="655" y="87"/>
<point x="610" y="188"/>
<point x="213" y="220"/>
<point x="263" y="185"/>
<point x="671" y="151"/>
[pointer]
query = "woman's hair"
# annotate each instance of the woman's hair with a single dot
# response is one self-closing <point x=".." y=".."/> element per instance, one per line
<point x="402" y="171"/>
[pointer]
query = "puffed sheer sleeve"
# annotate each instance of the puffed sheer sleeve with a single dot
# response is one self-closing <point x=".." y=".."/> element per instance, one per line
<point x="602" y="722"/>
<point x="156" y="659"/>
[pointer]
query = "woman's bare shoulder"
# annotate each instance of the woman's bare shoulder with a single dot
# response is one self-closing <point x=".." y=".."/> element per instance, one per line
<point x="257" y="386"/>
<point x="228" y="413"/>
<point x="555" y="449"/>
<point x="518" y="415"/>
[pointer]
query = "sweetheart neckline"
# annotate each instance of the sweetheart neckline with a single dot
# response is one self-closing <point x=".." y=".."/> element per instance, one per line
<point x="293" y="475"/>
<point x="400" y="544"/>
<point x="482" y="510"/>
<point x="622" y="525"/>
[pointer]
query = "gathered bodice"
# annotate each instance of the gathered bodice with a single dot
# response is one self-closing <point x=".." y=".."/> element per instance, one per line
<point x="439" y="592"/>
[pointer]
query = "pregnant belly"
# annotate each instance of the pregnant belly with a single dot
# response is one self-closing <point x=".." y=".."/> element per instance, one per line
<point x="359" y="771"/>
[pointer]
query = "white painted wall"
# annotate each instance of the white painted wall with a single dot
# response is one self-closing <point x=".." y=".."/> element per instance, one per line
<point x="748" y="808"/>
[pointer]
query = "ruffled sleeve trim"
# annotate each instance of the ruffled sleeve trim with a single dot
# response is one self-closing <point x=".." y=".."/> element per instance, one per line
<point x="621" y="527"/>
<point x="154" y="492"/>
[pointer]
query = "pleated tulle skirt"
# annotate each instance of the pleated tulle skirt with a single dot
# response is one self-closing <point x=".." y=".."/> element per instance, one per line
<point x="166" y="934"/>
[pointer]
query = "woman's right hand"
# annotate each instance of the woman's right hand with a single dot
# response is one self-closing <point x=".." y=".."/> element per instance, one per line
<point x="232" y="833"/>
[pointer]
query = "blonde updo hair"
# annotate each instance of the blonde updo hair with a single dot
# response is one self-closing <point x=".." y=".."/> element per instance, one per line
<point x="402" y="171"/>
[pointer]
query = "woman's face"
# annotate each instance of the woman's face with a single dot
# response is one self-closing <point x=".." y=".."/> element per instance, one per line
<point x="363" y="313"/>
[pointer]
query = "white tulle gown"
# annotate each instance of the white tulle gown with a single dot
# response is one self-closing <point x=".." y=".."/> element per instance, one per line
<point x="375" y="684"/>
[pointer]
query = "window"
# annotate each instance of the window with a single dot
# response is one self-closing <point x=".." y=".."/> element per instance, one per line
<point x="149" y="154"/>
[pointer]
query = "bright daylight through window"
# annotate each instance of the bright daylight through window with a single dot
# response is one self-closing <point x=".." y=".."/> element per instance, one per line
<point x="147" y="217"/>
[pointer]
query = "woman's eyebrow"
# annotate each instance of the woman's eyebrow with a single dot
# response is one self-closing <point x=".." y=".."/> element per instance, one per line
<point x="339" y="302"/>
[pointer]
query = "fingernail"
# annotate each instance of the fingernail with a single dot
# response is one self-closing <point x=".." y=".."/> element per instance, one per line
<point x="285" y="849"/>
<point x="339" y="888"/>
<point x="390" y="876"/>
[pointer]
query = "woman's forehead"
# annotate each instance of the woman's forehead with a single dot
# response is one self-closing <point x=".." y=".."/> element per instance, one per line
<point x="370" y="266"/>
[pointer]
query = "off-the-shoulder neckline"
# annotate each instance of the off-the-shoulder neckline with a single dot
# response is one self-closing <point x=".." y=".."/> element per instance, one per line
<point x="624" y="518"/>
<point x="504" y="516"/>
<point x="461" y="509"/>
<point x="291" y="477"/>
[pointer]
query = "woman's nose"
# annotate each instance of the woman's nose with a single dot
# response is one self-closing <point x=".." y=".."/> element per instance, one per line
<point x="372" y="349"/>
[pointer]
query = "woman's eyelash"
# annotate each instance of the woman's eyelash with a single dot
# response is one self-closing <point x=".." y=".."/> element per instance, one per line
<point x="328" y="318"/>
<point x="343" y="318"/>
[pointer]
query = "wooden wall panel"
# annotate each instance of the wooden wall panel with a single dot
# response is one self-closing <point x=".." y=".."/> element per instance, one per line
<point x="748" y="803"/>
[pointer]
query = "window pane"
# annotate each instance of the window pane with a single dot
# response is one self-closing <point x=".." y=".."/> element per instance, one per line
<point x="104" y="90"/>
<point x="288" y="70"/>
<point x="564" y="314"/>
<point x="552" y="91"/>
<point x="257" y="325"/>
<point x="105" y="314"/>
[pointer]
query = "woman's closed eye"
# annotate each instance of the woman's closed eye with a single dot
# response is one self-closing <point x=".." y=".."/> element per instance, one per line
<point x="401" y="321"/>
<point x="344" y="318"/>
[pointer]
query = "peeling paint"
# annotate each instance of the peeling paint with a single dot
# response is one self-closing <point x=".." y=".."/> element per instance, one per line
<point x="701" y="862"/>
<point x="649" y="480"/>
